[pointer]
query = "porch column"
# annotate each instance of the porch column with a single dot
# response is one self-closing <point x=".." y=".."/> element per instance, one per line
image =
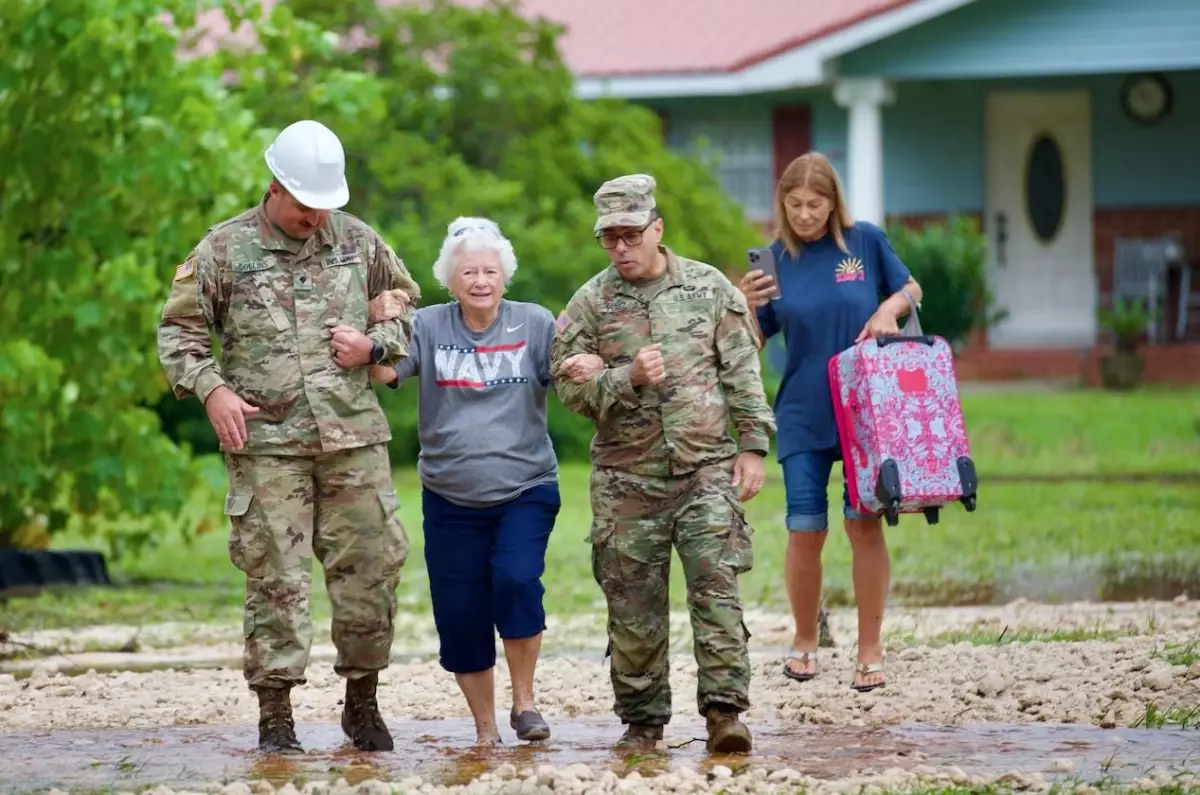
<point x="864" y="98"/>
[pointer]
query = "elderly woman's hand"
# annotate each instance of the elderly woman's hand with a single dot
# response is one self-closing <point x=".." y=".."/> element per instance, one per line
<point x="383" y="374"/>
<point x="582" y="367"/>
<point x="386" y="306"/>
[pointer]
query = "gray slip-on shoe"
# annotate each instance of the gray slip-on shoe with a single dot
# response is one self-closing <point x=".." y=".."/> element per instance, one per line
<point x="529" y="725"/>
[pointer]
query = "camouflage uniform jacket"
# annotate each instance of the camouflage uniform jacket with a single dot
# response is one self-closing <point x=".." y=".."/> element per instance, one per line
<point x="710" y="354"/>
<point x="273" y="302"/>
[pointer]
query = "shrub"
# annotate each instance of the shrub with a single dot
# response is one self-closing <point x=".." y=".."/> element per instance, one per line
<point x="949" y="260"/>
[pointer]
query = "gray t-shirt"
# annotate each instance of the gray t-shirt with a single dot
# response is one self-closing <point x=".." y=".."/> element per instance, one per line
<point x="482" y="402"/>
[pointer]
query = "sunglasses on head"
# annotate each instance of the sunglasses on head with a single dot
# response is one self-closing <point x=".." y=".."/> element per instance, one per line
<point x="484" y="229"/>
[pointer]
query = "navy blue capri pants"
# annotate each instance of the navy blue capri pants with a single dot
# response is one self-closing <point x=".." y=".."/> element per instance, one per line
<point x="485" y="572"/>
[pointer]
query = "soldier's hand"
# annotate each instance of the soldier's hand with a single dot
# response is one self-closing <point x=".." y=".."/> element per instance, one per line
<point x="227" y="413"/>
<point x="582" y="367"/>
<point x="748" y="474"/>
<point x="648" y="367"/>
<point x="758" y="288"/>
<point x="386" y="306"/>
<point x="350" y="347"/>
<point x="382" y="374"/>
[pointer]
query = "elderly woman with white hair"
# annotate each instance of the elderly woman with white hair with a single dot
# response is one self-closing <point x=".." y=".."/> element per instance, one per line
<point x="488" y="471"/>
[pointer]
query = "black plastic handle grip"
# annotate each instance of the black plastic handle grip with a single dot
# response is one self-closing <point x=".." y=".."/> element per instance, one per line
<point x="924" y="339"/>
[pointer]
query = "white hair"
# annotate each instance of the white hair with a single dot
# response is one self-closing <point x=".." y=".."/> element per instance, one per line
<point x="473" y="234"/>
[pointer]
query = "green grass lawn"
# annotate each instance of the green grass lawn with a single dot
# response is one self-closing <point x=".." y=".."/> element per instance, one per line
<point x="1101" y="529"/>
<point x="1084" y="432"/>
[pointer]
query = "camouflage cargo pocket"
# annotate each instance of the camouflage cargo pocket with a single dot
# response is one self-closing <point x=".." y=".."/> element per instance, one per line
<point x="599" y="537"/>
<point x="738" y="551"/>
<point x="396" y="537"/>
<point x="248" y="544"/>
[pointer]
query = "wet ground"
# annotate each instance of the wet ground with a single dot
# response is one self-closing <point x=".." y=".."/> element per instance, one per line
<point x="1069" y="581"/>
<point x="440" y="753"/>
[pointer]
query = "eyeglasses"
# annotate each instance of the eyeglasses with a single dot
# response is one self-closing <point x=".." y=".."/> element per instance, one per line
<point x="609" y="239"/>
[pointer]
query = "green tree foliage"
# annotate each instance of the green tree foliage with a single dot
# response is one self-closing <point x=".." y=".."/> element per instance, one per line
<point x="119" y="153"/>
<point x="117" y="156"/>
<point x="445" y="111"/>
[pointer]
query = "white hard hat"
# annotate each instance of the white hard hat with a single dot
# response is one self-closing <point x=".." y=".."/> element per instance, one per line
<point x="308" y="160"/>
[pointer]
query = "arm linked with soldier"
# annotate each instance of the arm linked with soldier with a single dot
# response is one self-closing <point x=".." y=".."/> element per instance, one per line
<point x="606" y="392"/>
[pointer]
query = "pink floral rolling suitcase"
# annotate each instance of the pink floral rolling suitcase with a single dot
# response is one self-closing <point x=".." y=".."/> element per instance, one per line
<point x="904" y="443"/>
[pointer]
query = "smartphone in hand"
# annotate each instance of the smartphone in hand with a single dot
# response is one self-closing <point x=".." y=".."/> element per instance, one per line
<point x="763" y="259"/>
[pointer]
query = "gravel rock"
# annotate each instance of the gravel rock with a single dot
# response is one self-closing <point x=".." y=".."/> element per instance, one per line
<point x="1102" y="682"/>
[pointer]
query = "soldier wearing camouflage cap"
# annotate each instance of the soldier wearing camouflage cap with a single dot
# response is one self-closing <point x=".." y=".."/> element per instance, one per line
<point x="286" y="287"/>
<point x="681" y="364"/>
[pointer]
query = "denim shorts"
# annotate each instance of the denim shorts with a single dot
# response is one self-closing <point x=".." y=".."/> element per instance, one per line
<point x="806" y="484"/>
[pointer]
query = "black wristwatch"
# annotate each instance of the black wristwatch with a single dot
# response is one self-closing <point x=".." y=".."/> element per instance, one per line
<point x="377" y="352"/>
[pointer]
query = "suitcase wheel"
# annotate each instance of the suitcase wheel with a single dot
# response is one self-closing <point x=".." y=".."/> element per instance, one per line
<point x="931" y="515"/>
<point x="887" y="490"/>
<point x="969" y="480"/>
<point x="887" y="484"/>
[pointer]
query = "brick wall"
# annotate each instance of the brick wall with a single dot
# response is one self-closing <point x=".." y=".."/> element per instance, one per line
<point x="1108" y="224"/>
<point x="1164" y="364"/>
<point x="1168" y="363"/>
<point x="1112" y="223"/>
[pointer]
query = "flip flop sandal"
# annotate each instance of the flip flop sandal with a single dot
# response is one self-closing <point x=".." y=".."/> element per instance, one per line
<point x="802" y="657"/>
<point x="865" y="669"/>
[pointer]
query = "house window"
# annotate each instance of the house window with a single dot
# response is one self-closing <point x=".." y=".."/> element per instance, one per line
<point x="741" y="150"/>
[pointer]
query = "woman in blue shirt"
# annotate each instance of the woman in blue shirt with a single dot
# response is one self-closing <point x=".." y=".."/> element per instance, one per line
<point x="839" y="282"/>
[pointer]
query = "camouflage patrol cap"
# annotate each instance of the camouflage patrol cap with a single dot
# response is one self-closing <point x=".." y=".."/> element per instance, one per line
<point x="625" y="201"/>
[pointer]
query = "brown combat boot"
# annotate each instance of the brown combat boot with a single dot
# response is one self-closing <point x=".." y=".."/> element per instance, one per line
<point x="361" y="720"/>
<point x="641" y="737"/>
<point x="276" y="729"/>
<point x="727" y="734"/>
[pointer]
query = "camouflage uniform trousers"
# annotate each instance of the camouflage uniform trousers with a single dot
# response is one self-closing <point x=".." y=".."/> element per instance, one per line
<point x="637" y="520"/>
<point x="340" y="507"/>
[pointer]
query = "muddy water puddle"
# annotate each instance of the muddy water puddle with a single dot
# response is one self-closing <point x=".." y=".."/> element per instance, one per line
<point x="440" y="752"/>
<point x="1051" y="583"/>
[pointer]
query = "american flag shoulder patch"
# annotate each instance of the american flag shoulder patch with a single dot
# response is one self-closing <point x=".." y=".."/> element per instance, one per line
<point x="185" y="269"/>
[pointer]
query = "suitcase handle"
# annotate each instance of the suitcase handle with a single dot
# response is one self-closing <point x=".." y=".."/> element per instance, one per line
<point x="912" y="326"/>
<point x="912" y="331"/>
<point x="924" y="339"/>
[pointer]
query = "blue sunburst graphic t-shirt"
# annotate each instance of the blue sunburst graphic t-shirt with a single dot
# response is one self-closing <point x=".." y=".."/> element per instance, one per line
<point x="828" y="295"/>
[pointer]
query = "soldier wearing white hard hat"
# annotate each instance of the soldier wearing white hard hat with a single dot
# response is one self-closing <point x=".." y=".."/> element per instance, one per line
<point x="309" y="162"/>
<point x="286" y="286"/>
